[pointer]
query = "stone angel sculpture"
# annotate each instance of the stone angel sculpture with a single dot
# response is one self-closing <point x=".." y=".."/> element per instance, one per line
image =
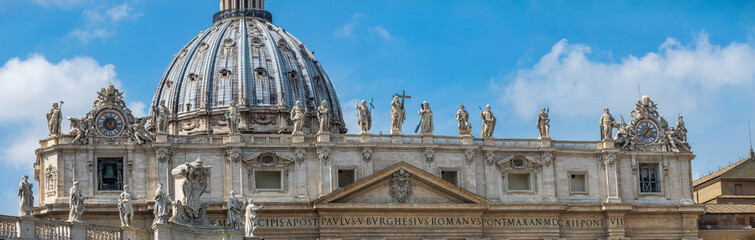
<point x="139" y="133"/>
<point x="79" y="129"/>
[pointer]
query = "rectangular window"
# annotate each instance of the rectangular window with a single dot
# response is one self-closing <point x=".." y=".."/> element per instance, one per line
<point x="345" y="177"/>
<point x="738" y="189"/>
<point x="578" y="184"/>
<point x="649" y="179"/>
<point x="110" y="173"/>
<point x="519" y="181"/>
<point x="267" y="180"/>
<point x="450" y="176"/>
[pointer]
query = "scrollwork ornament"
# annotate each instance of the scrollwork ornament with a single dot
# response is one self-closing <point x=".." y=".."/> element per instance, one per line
<point x="548" y="158"/>
<point x="490" y="157"/>
<point x="299" y="155"/>
<point x="164" y="155"/>
<point x="607" y="160"/>
<point x="323" y="154"/>
<point x="429" y="155"/>
<point x="469" y="156"/>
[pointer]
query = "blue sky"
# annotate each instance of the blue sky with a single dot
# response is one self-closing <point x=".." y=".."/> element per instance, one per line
<point x="576" y="57"/>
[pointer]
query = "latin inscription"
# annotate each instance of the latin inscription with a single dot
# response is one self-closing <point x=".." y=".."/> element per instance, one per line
<point x="436" y="221"/>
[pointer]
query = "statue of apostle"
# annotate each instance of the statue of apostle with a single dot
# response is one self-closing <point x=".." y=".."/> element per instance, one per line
<point x="251" y="218"/>
<point x="607" y="123"/>
<point x="54" y="118"/>
<point x="323" y="115"/>
<point x="462" y="117"/>
<point x="426" y="120"/>
<point x="297" y="117"/>
<point x="398" y="115"/>
<point x="232" y="117"/>
<point x="76" y="203"/>
<point x="364" y="117"/>
<point x="25" y="197"/>
<point x="235" y="207"/>
<point x="125" y="208"/>
<point x="488" y="122"/>
<point x="543" y="124"/>
<point x="162" y="114"/>
<point x="162" y="205"/>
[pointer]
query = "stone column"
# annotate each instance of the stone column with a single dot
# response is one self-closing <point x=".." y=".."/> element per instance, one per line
<point x="234" y="174"/>
<point x="608" y="166"/>
<point x="549" y="177"/>
<point x="301" y="173"/>
<point x="470" y="173"/>
<point x="367" y="156"/>
<point x="326" y="170"/>
<point x="492" y="175"/>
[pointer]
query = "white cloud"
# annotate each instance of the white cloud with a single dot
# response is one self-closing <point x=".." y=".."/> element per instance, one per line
<point x="31" y="85"/>
<point x="347" y="30"/>
<point x="138" y="108"/>
<point x="679" y="77"/>
<point x="100" y="22"/>
<point x="89" y="34"/>
<point x="60" y="3"/>
<point x="382" y="32"/>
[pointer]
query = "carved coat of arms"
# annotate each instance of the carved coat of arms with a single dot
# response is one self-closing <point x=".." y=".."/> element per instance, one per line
<point x="400" y="187"/>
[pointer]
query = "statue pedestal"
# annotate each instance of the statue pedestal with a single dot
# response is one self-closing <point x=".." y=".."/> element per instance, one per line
<point x="52" y="141"/>
<point x="323" y="137"/>
<point x="176" y="231"/>
<point x="232" y="138"/>
<point x="467" y="139"/>
<point x="365" y="138"/>
<point x="546" y="143"/>
<point x="397" y="139"/>
<point x="605" y="144"/>
<point x="25" y="227"/>
<point x="297" y="138"/>
<point x="161" y="138"/>
<point x="427" y="139"/>
<point x="488" y="141"/>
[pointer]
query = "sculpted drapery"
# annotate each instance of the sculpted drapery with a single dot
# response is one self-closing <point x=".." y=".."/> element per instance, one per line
<point x="26" y="197"/>
<point x="426" y="121"/>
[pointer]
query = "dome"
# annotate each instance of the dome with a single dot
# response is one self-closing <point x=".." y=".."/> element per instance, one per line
<point x="243" y="58"/>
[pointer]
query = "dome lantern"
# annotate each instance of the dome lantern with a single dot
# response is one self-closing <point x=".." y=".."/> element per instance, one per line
<point x="242" y="4"/>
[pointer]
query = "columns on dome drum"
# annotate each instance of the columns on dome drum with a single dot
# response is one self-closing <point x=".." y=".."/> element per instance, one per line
<point x="241" y="4"/>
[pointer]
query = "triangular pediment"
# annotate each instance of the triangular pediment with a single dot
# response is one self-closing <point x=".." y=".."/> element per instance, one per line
<point x="389" y="186"/>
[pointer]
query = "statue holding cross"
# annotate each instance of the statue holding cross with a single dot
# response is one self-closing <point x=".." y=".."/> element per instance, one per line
<point x="398" y="113"/>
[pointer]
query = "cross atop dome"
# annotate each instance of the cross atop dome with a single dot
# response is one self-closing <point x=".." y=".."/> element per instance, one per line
<point x="241" y="4"/>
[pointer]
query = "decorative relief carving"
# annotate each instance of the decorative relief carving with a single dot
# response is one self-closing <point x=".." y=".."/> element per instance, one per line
<point x="400" y="186"/>
<point x="429" y="155"/>
<point x="548" y="158"/>
<point x="366" y="154"/>
<point x="50" y="177"/>
<point x="299" y="155"/>
<point x="233" y="155"/>
<point x="191" y="209"/>
<point x="324" y="154"/>
<point x="607" y="160"/>
<point x="469" y="156"/>
<point x="190" y="125"/>
<point x="490" y="157"/>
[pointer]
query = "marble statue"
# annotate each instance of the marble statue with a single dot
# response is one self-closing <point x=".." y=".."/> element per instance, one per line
<point x="364" y="117"/>
<point x="323" y="115"/>
<point x="607" y="123"/>
<point x="162" y="113"/>
<point x="462" y="117"/>
<point x="139" y="134"/>
<point x="297" y="117"/>
<point x="232" y="117"/>
<point x="624" y="139"/>
<point x="76" y="202"/>
<point x="398" y="115"/>
<point x="54" y="118"/>
<point x="488" y="122"/>
<point x="426" y="120"/>
<point x="681" y="128"/>
<point x="25" y="197"/>
<point x="79" y="129"/>
<point x="675" y="140"/>
<point x="162" y="205"/>
<point x="251" y="218"/>
<point x="125" y="208"/>
<point x="543" y="124"/>
<point x="194" y="180"/>
<point x="235" y="207"/>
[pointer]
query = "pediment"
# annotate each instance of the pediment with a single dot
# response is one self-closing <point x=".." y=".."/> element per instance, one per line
<point x="519" y="162"/>
<point x="390" y="185"/>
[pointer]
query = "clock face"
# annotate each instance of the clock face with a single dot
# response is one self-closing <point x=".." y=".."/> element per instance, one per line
<point x="647" y="132"/>
<point x="110" y="124"/>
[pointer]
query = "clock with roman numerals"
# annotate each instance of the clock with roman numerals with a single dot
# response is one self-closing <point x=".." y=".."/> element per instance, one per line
<point x="110" y="123"/>
<point x="647" y="132"/>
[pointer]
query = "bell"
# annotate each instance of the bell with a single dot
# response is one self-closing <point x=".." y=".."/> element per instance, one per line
<point x="109" y="176"/>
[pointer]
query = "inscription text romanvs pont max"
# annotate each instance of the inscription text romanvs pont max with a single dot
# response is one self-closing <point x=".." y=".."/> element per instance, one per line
<point x="436" y="221"/>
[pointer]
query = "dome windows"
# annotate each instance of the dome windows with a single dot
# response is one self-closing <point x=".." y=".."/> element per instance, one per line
<point x="193" y="77"/>
<point x="256" y="42"/>
<point x="225" y="73"/>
